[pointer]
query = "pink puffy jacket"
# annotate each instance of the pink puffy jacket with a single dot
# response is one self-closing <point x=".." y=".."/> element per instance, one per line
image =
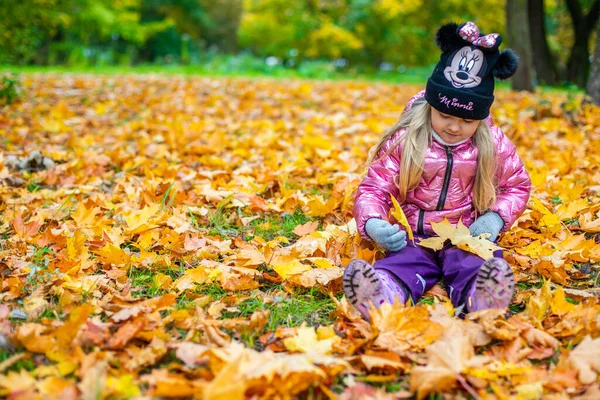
<point x="446" y="185"/>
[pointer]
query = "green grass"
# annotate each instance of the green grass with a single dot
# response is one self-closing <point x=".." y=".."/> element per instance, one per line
<point x="267" y="227"/>
<point x="227" y="67"/>
<point x="25" y="363"/>
<point x="143" y="284"/>
<point x="243" y="65"/>
<point x="272" y="226"/>
<point x="311" y="307"/>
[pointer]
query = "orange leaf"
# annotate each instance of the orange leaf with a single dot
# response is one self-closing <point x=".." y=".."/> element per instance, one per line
<point x="125" y="333"/>
<point x="309" y="227"/>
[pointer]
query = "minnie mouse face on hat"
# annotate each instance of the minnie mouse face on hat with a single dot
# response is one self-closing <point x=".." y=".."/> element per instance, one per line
<point x="464" y="67"/>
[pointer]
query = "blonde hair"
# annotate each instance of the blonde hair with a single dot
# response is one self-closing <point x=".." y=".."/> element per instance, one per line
<point x="416" y="140"/>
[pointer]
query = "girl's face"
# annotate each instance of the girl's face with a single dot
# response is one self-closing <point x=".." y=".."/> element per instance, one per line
<point x="452" y="129"/>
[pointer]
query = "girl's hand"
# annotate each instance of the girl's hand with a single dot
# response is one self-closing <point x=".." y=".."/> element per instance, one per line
<point x="388" y="236"/>
<point x="490" y="222"/>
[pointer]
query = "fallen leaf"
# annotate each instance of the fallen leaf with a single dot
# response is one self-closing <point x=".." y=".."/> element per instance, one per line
<point x="460" y="236"/>
<point x="398" y="213"/>
<point x="585" y="359"/>
<point x="309" y="227"/>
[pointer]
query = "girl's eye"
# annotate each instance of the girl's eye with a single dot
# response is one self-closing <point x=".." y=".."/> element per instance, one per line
<point x="468" y="121"/>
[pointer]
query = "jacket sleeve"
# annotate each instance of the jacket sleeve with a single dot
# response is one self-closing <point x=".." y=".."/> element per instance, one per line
<point x="373" y="194"/>
<point x="514" y="185"/>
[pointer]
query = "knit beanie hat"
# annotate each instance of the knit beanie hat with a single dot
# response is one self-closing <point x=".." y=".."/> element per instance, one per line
<point x="462" y="83"/>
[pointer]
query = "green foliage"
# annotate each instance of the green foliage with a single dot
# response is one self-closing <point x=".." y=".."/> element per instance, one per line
<point x="297" y="33"/>
<point x="196" y="25"/>
<point x="10" y="89"/>
<point x="397" y="31"/>
<point x="25" y="28"/>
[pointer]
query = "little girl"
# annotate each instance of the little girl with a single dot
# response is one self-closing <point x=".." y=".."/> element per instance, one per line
<point x="444" y="158"/>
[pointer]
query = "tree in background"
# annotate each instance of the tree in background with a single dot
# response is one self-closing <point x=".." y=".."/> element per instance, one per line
<point x="365" y="31"/>
<point x="583" y="25"/>
<point x="517" y="35"/>
<point x="25" y="26"/>
<point x="571" y="26"/>
<point x="57" y="31"/>
<point x="391" y="31"/>
<point x="543" y="61"/>
<point x="195" y="25"/>
<point x="593" y="87"/>
<point x="376" y="33"/>
<point x="102" y="28"/>
<point x="295" y="29"/>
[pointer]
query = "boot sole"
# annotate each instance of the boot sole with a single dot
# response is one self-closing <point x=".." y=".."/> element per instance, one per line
<point x="494" y="285"/>
<point x="360" y="282"/>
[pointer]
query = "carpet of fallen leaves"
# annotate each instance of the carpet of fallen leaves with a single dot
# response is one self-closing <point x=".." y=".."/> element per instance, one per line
<point x="128" y="202"/>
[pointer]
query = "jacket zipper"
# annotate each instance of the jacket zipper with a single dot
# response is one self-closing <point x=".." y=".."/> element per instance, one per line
<point x="420" y="223"/>
<point x="449" y="162"/>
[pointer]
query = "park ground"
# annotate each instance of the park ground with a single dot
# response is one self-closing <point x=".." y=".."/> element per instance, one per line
<point x="184" y="236"/>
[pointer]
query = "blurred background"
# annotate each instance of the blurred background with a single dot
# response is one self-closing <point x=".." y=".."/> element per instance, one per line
<point x="390" y="39"/>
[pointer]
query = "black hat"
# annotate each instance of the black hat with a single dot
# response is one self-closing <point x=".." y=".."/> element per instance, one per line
<point x="462" y="83"/>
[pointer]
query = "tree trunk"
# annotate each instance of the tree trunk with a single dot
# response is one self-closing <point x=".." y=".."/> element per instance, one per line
<point x="519" y="39"/>
<point x="593" y="86"/>
<point x="583" y="25"/>
<point x="543" y="62"/>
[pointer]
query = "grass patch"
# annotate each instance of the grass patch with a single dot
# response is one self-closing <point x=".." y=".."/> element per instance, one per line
<point x="312" y="307"/>
<point x="245" y="65"/>
<point x="271" y="227"/>
<point x="143" y="283"/>
<point x="530" y="285"/>
<point x="268" y="227"/>
<point x="429" y="300"/>
<point x="516" y="308"/>
<point x="26" y="363"/>
<point x="213" y="290"/>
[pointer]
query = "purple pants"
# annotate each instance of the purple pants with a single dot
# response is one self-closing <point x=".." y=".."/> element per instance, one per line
<point x="420" y="268"/>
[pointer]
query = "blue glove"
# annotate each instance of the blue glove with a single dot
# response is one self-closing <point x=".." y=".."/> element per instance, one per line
<point x="490" y="222"/>
<point x="388" y="236"/>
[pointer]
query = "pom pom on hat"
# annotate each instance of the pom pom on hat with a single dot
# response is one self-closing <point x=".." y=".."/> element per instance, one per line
<point x="446" y="37"/>
<point x="507" y="64"/>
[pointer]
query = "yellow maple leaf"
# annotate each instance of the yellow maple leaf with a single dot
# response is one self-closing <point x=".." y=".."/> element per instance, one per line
<point x="546" y="219"/>
<point x="307" y="340"/>
<point x="84" y="216"/>
<point x="138" y="222"/>
<point x="397" y="213"/>
<point x="291" y="268"/>
<point x="530" y="391"/>
<point x="112" y="254"/>
<point x="559" y="304"/>
<point x="402" y="328"/>
<point x="570" y="210"/>
<point x="448" y="357"/>
<point x="318" y="207"/>
<point x="122" y="385"/>
<point x="460" y="236"/>
<point x="76" y="246"/>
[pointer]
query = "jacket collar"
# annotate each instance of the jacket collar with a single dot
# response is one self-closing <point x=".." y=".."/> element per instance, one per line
<point x="460" y="146"/>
